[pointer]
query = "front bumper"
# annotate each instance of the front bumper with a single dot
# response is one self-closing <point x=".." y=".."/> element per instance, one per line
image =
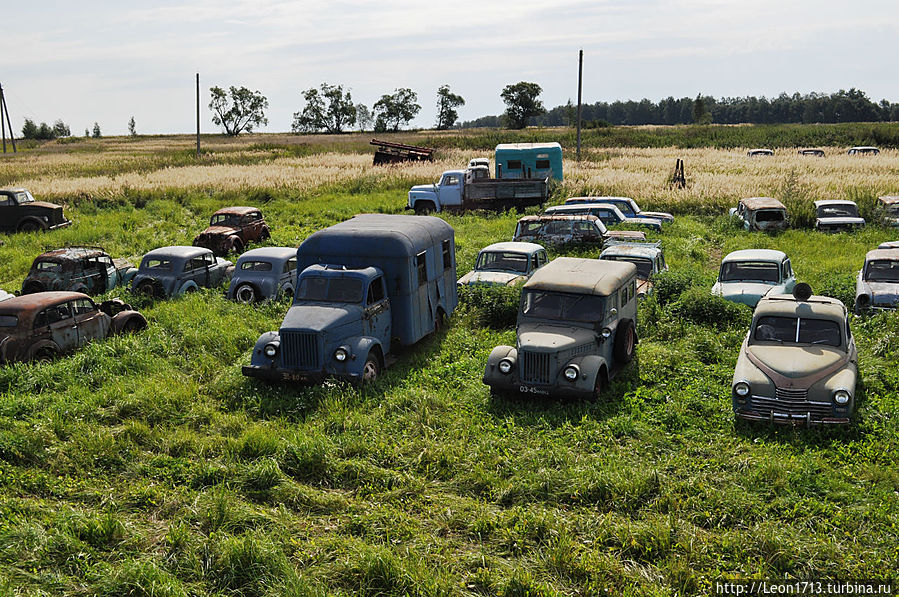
<point x="273" y="374"/>
<point x="64" y="224"/>
<point x="788" y="418"/>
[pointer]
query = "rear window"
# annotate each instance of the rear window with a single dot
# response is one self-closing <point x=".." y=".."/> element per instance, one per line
<point x="256" y="266"/>
<point x="157" y="264"/>
<point x="749" y="271"/>
<point x="48" y="266"/>
<point x="8" y="321"/>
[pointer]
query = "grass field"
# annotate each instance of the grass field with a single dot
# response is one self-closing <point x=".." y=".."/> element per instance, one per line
<point x="148" y="465"/>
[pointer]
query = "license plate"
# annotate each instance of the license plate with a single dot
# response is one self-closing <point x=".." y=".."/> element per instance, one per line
<point x="532" y="390"/>
<point x="290" y="376"/>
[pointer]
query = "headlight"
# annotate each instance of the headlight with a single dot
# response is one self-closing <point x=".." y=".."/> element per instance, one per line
<point x="741" y="388"/>
<point x="505" y="366"/>
<point x="271" y="350"/>
<point x="340" y="355"/>
<point x="46" y="219"/>
<point x="606" y="333"/>
<point x="841" y="397"/>
<point x="571" y="372"/>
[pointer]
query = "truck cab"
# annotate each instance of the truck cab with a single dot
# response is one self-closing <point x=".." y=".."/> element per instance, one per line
<point x="446" y="192"/>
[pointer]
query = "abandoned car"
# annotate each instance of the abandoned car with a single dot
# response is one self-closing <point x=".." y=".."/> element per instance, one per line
<point x="47" y="324"/>
<point x="170" y="271"/>
<point x="761" y="213"/>
<point x="877" y="284"/>
<point x="863" y="150"/>
<point x="798" y="362"/>
<point x="626" y="205"/>
<point x="505" y="264"/>
<point x="753" y="153"/>
<point x="648" y="257"/>
<point x="890" y="205"/>
<point x="608" y="213"/>
<point x="231" y="229"/>
<point x="266" y="273"/>
<point x="818" y="153"/>
<point x="837" y="215"/>
<point x="80" y="269"/>
<point x="576" y="328"/>
<point x="19" y="212"/>
<point x="367" y="286"/>
<point x="750" y="274"/>
<point x="557" y="230"/>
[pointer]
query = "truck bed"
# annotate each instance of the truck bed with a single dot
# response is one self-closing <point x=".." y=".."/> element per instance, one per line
<point x="501" y="194"/>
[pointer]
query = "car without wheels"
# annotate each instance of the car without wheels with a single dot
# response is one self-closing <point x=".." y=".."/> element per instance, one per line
<point x="890" y="205"/>
<point x="80" y="269"/>
<point x="761" y="213"/>
<point x="760" y="152"/>
<point x="863" y="150"/>
<point x="266" y="273"/>
<point x="233" y="228"/>
<point x="569" y="229"/>
<point x="626" y="205"/>
<point x="170" y="271"/>
<point x="748" y="275"/>
<point x="44" y="325"/>
<point x="798" y="363"/>
<point x="505" y="264"/>
<point x="19" y="212"/>
<point x="576" y="328"/>
<point x="877" y="284"/>
<point x="648" y="257"/>
<point x="818" y="153"/>
<point x="837" y="215"/>
<point x="610" y="215"/>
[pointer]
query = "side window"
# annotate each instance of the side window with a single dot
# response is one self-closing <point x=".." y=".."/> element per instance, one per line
<point x="52" y="315"/>
<point x="5" y="201"/>
<point x="788" y="270"/>
<point x="447" y="255"/>
<point x="188" y="265"/>
<point x="514" y="165"/>
<point x="623" y="294"/>
<point x="613" y="301"/>
<point x="542" y="164"/>
<point x="106" y="261"/>
<point x="376" y="291"/>
<point x="451" y="180"/>
<point x="633" y="290"/>
<point x="82" y="306"/>
<point x="208" y="259"/>
<point x="422" y="267"/>
<point x="290" y="265"/>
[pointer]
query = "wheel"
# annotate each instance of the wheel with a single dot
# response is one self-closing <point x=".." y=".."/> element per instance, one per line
<point x="246" y="293"/>
<point x="236" y="246"/>
<point x="439" y="321"/>
<point x="424" y="207"/>
<point x="45" y="355"/>
<point x="264" y="235"/>
<point x="625" y="342"/>
<point x="29" y="226"/>
<point x="132" y="326"/>
<point x="191" y="289"/>
<point x="371" y="369"/>
<point x="149" y="288"/>
<point x="32" y="287"/>
<point x="599" y="386"/>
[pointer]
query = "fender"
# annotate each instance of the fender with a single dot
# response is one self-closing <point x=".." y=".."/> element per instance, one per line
<point x="121" y="319"/>
<point x="590" y="366"/>
<point x="492" y="375"/>
<point x="127" y="275"/>
<point x="359" y="347"/>
<point x="189" y="285"/>
<point x="38" y="346"/>
<point x="258" y="358"/>
<point x="41" y="224"/>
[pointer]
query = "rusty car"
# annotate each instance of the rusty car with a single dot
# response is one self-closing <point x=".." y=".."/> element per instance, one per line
<point x="568" y="229"/>
<point x="266" y="273"/>
<point x="170" y="271"/>
<point x="233" y="228"/>
<point x="19" y="212"/>
<point x="80" y="269"/>
<point x="890" y="206"/>
<point x="505" y="264"/>
<point x="760" y="213"/>
<point x="44" y="325"/>
<point x="837" y="215"/>
<point x="798" y="362"/>
<point x="877" y="284"/>
<point x="648" y="257"/>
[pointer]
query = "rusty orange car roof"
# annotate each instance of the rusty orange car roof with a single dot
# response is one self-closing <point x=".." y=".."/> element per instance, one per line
<point x="236" y="210"/>
<point x="73" y="253"/>
<point x="37" y="301"/>
<point x="762" y="203"/>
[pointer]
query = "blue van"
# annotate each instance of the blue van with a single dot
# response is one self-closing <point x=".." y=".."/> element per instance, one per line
<point x="365" y="285"/>
<point x="528" y="160"/>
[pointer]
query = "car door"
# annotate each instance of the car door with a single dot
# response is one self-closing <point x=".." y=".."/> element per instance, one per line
<point x="450" y="190"/>
<point x="90" y="323"/>
<point x="8" y="212"/>
<point x="111" y="274"/>
<point x="376" y="316"/>
<point x="57" y="319"/>
<point x="288" y="274"/>
<point x="94" y="274"/>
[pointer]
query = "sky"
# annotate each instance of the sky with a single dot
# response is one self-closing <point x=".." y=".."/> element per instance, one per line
<point x="106" y="61"/>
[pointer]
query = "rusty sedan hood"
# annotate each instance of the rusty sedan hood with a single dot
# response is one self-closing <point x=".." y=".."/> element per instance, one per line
<point x="220" y="230"/>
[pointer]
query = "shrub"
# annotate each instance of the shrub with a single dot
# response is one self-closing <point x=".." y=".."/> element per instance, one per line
<point x="492" y="306"/>
<point x="669" y="286"/>
<point x="841" y="287"/>
<point x="698" y="306"/>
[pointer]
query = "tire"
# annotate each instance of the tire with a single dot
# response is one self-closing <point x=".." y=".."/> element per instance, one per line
<point x="149" y="288"/>
<point x="133" y="325"/>
<point x="370" y="370"/>
<point x="32" y="287"/>
<point x="625" y="342"/>
<point x="29" y="226"/>
<point x="236" y="246"/>
<point x="440" y="321"/>
<point x="424" y="207"/>
<point x="264" y="235"/>
<point x="599" y="385"/>
<point x="45" y="355"/>
<point x="246" y="293"/>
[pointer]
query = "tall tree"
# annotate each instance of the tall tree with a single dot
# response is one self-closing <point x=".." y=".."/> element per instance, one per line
<point x="447" y="102"/>
<point x="30" y="130"/>
<point x="329" y="109"/>
<point x="395" y="109"/>
<point x="700" y="112"/>
<point x="238" y="109"/>
<point x="521" y="103"/>
<point x="364" y="117"/>
<point x="61" y="129"/>
<point x="96" y="132"/>
<point x="132" y="127"/>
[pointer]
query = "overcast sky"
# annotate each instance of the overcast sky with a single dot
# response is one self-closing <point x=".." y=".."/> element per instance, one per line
<point x="106" y="61"/>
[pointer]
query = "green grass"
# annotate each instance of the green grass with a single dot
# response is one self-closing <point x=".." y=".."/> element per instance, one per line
<point x="148" y="465"/>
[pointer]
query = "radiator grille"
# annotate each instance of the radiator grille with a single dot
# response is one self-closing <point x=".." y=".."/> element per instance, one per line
<point x="789" y="402"/>
<point x="300" y="350"/>
<point x="535" y="367"/>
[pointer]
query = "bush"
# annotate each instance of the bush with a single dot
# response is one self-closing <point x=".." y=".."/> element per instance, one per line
<point x="841" y="287"/>
<point x="669" y="286"/>
<point x="698" y="306"/>
<point x="492" y="306"/>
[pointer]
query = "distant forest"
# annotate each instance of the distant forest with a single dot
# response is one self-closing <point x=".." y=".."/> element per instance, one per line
<point x="843" y="106"/>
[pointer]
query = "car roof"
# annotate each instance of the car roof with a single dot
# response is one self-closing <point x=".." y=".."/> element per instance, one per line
<point x="268" y="253"/>
<point x="885" y="254"/>
<point x="762" y="203"/>
<point x="560" y="217"/>
<point x="821" y="202"/>
<point x="13" y="189"/>
<point x="361" y="272"/>
<point x="37" y="301"/>
<point x="598" y="199"/>
<point x="863" y="147"/>
<point x="889" y="199"/>
<point x="573" y="207"/>
<point x="788" y="305"/>
<point x="755" y="255"/>
<point x="519" y="247"/>
<point x="763" y="150"/>
<point x="581" y="276"/>
<point x="647" y="250"/>
<point x="73" y="253"/>
<point x="236" y="210"/>
<point x="179" y="251"/>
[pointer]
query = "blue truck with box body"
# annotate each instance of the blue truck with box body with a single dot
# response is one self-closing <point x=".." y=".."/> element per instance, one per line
<point x="364" y="286"/>
<point x="528" y="160"/>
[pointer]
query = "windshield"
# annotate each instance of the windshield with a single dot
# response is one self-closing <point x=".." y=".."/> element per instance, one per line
<point x="882" y="270"/>
<point x="843" y="210"/>
<point x="750" y="271"/>
<point x="795" y="330"/>
<point x="256" y="266"/>
<point x="563" y="307"/>
<point x="627" y="208"/>
<point x="325" y="289"/>
<point x="24" y="197"/>
<point x="504" y="261"/>
<point x="225" y="220"/>
<point x="156" y="264"/>
<point x="529" y="228"/>
<point x="644" y="266"/>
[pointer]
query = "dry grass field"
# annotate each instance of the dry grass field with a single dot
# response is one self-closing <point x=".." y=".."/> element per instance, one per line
<point x="148" y="465"/>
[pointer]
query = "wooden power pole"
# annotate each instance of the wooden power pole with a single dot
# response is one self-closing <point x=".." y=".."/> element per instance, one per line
<point x="198" y="115"/>
<point x="4" y="111"/>
<point x="580" y="78"/>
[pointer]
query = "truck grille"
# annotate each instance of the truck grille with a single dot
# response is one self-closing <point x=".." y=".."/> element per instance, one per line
<point x="300" y="350"/>
<point x="535" y="367"/>
<point x="792" y="403"/>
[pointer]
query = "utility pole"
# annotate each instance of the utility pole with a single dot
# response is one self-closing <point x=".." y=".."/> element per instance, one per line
<point x="580" y="78"/>
<point x="198" y="115"/>
<point x="5" y="111"/>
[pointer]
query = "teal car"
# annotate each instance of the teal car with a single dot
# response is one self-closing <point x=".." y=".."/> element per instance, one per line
<point x="748" y="275"/>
